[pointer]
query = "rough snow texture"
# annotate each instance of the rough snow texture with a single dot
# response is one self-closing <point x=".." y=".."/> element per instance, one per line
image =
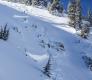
<point x="34" y="36"/>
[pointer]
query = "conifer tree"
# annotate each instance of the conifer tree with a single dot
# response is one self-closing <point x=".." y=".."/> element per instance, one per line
<point x="90" y="17"/>
<point x="72" y="12"/>
<point x="4" y="33"/>
<point x="56" y="6"/>
<point x="47" y="68"/>
<point x="85" y="30"/>
<point x="42" y="3"/>
<point x="29" y="2"/>
<point x="35" y="2"/>
<point x="78" y="15"/>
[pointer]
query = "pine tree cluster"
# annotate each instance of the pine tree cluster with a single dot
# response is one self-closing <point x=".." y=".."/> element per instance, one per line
<point x="88" y="62"/>
<point x="76" y="18"/>
<point x="74" y="10"/>
<point x="54" y="6"/>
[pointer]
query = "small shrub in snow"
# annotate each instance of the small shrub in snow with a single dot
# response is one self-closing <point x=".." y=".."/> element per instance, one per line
<point x="84" y="32"/>
<point x="88" y="62"/>
<point x="42" y="44"/>
<point x="58" y="46"/>
<point x="15" y="29"/>
<point x="34" y="26"/>
<point x="4" y="33"/>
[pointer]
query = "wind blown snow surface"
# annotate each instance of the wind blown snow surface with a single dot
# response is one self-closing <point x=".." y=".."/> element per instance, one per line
<point x="34" y="36"/>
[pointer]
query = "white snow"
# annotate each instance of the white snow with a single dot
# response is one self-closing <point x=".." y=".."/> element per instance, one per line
<point x="38" y="57"/>
<point x="32" y="30"/>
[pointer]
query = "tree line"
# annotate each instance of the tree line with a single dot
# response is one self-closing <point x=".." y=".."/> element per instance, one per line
<point x="74" y="11"/>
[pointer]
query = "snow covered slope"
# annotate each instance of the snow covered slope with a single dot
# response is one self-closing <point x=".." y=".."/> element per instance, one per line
<point x="34" y="36"/>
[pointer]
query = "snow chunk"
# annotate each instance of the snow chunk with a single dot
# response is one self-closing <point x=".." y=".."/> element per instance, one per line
<point x="38" y="57"/>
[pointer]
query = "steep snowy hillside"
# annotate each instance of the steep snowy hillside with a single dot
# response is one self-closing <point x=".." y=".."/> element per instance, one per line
<point x="36" y="38"/>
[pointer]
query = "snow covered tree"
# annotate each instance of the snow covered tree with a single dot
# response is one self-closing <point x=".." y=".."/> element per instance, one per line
<point x="90" y="17"/>
<point x="22" y="1"/>
<point x="71" y="12"/>
<point x="35" y="2"/>
<point x="56" y="7"/>
<point x="28" y="2"/>
<point x="85" y="29"/>
<point x="42" y="3"/>
<point x="78" y="15"/>
<point x="74" y="13"/>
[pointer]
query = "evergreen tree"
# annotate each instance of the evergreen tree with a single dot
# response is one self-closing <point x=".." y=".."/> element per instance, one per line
<point x="4" y="33"/>
<point x="56" y="6"/>
<point x="72" y="12"/>
<point x="78" y="15"/>
<point x="35" y="2"/>
<point x="47" y="68"/>
<point x="85" y="29"/>
<point x="90" y="17"/>
<point x="42" y="3"/>
<point x="28" y="2"/>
